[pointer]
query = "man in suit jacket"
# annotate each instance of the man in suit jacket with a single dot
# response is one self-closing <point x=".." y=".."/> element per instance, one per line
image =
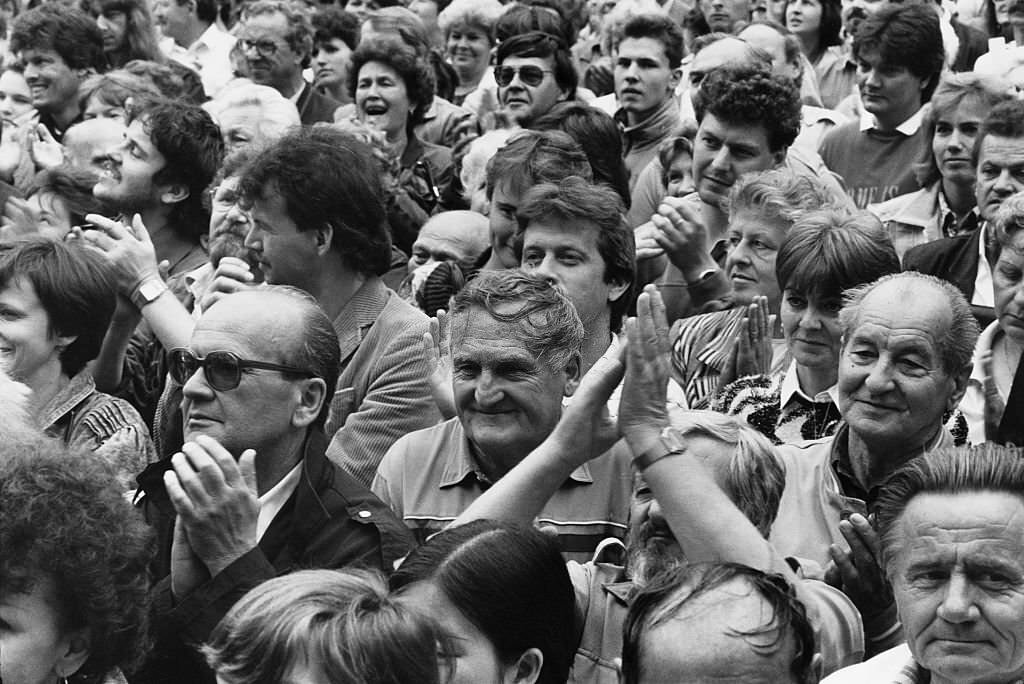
<point x="327" y="233"/>
<point x="276" y="40"/>
<point x="967" y="260"/>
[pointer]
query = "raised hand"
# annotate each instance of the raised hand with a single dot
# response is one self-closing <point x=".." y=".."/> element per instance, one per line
<point x="858" y="572"/>
<point x="232" y="275"/>
<point x="128" y="249"/>
<point x="752" y="351"/>
<point x="684" y="237"/>
<point x="46" y="152"/>
<point x="437" y="352"/>
<point x="642" y="411"/>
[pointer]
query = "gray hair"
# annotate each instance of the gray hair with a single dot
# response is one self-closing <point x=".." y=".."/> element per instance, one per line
<point x="985" y="467"/>
<point x="1009" y="220"/>
<point x="955" y="347"/>
<point x="549" y="326"/>
<point x="277" y="113"/>
<point x="777" y="193"/>
<point x="755" y="476"/>
<point x="481" y="13"/>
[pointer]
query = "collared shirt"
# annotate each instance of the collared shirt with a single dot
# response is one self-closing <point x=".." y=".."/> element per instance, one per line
<point x="274" y="499"/>
<point x="952" y="225"/>
<point x="907" y="128"/>
<point x="984" y="293"/>
<point x="209" y="55"/>
<point x="429" y="477"/>
<point x="895" y="666"/>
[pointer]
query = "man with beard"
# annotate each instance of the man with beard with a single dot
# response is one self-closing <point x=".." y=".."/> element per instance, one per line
<point x="706" y="488"/>
<point x="534" y="73"/>
<point x="275" y="39"/>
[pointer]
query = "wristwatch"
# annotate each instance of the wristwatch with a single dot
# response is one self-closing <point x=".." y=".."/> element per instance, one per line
<point x="669" y="444"/>
<point x="148" y="292"/>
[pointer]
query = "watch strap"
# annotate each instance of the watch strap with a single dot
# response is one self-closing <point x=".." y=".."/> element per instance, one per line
<point x="668" y="444"/>
<point x="148" y="291"/>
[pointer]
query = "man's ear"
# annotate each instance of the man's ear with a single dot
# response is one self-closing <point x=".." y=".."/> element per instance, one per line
<point x="324" y="235"/>
<point x="674" y="79"/>
<point x="779" y="156"/>
<point x="172" y="194"/>
<point x="77" y="646"/>
<point x="527" y="668"/>
<point x="959" y="386"/>
<point x="312" y="395"/>
<point x="617" y="290"/>
<point x="573" y="375"/>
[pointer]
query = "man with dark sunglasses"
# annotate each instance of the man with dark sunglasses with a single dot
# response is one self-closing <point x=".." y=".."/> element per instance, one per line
<point x="252" y="494"/>
<point x="534" y="73"/>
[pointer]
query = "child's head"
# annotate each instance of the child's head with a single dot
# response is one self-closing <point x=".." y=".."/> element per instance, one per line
<point x="676" y="157"/>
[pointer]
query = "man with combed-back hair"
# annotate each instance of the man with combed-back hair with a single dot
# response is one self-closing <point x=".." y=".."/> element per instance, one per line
<point x="252" y="494"/>
<point x="900" y="58"/>
<point x="515" y="353"/>
<point x="905" y="360"/>
<point x="951" y="535"/>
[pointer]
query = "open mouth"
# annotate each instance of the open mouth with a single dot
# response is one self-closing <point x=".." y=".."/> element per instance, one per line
<point x="375" y="108"/>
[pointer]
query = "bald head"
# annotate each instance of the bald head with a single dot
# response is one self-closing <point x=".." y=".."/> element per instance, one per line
<point x="88" y="142"/>
<point x="726" y="52"/>
<point x="456" y="236"/>
<point x="784" y="49"/>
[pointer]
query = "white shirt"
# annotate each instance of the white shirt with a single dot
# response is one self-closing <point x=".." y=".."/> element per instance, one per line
<point x="908" y="127"/>
<point x="984" y="293"/>
<point x="972" y="406"/>
<point x="790" y="388"/>
<point x="210" y="56"/>
<point x="274" y="499"/>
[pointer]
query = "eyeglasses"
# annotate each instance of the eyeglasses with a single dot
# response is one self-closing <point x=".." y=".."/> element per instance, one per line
<point x="224" y="197"/>
<point x="529" y="74"/>
<point x="223" y="369"/>
<point x="264" y="48"/>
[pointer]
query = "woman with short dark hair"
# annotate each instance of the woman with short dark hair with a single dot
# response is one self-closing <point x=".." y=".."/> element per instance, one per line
<point x="56" y="301"/>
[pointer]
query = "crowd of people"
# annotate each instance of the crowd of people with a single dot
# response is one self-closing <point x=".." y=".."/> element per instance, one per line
<point x="528" y="342"/>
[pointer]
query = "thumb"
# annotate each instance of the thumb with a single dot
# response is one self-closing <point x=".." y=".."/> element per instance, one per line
<point x="44" y="133"/>
<point x="164" y="268"/>
<point x="139" y="228"/>
<point x="247" y="464"/>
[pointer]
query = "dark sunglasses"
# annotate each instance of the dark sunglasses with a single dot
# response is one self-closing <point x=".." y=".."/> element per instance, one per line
<point x="529" y="74"/>
<point x="223" y="369"/>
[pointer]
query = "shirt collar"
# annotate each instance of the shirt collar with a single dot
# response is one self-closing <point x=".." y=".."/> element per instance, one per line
<point x="907" y="128"/>
<point x="460" y="464"/>
<point x="274" y="499"/>
<point x="945" y="211"/>
<point x="790" y="388"/>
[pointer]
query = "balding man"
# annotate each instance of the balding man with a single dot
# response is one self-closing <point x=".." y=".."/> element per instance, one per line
<point x="252" y="494"/>
<point x="905" y="360"/>
<point x="456" y="236"/>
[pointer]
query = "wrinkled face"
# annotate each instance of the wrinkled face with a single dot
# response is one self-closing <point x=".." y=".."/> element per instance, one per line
<point x="888" y="91"/>
<point x="1000" y="172"/>
<point x="958" y="578"/>
<point x="810" y="324"/>
<point x="893" y="389"/>
<point x="502" y="218"/>
<point x="568" y="256"/>
<point x="680" y="175"/>
<point x="719" y="636"/>
<point x="382" y="100"/>
<point x="651" y="546"/>
<point x="33" y="639"/>
<point x="173" y="18"/>
<point x="258" y="413"/>
<point x="269" y="58"/>
<point x="95" y="108"/>
<point x="52" y="82"/>
<point x="764" y="37"/>
<point x="229" y="224"/>
<point x="953" y="141"/>
<point x="286" y="255"/>
<point x="469" y="49"/>
<point x="15" y="97"/>
<point x="28" y="345"/>
<point x="113" y="25"/>
<point x="722" y="15"/>
<point x="240" y="127"/>
<point x="1008" y="283"/>
<point x="754" y="243"/>
<point x="446" y="242"/>
<point x="723" y="152"/>
<point x="127" y="181"/>
<point x="475" y="660"/>
<point x="88" y="142"/>
<point x="332" y="61"/>
<point x="505" y="397"/>
<point x="803" y="17"/>
<point x="643" y="77"/>
<point x="523" y="100"/>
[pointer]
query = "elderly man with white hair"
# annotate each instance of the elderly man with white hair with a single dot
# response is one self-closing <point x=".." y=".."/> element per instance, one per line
<point x="251" y="115"/>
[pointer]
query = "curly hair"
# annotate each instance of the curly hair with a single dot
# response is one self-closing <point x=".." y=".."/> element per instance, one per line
<point x="777" y="193"/>
<point x="341" y="194"/>
<point x="333" y="22"/>
<point x="190" y="143"/>
<point x="69" y="32"/>
<point x="752" y="97"/>
<point x="412" y="67"/>
<point x="481" y="13"/>
<point x="64" y="519"/>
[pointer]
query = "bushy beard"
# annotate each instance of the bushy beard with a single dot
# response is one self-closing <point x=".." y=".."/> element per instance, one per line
<point x="649" y="553"/>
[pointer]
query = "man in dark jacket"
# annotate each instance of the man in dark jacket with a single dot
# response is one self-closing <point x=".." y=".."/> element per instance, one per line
<point x="252" y="495"/>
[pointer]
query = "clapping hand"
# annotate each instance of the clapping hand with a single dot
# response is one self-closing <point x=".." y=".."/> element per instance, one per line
<point x="752" y="352"/>
<point x="128" y="249"/>
<point x="437" y="352"/>
<point x="642" y="410"/>
<point x="232" y="275"/>
<point x="858" y="572"/>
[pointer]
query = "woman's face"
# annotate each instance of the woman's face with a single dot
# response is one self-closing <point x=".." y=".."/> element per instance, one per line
<point x="15" y="97"/>
<point x="474" y="658"/>
<point x="54" y="218"/>
<point x="1008" y="283"/>
<point x="953" y="141"/>
<point x="803" y="17"/>
<point x="34" y="646"/>
<point x="754" y="243"/>
<point x="680" y="175"/>
<point x="96" y="108"/>
<point x="27" y="343"/>
<point x="469" y="49"/>
<point x="810" y="324"/>
<point x="382" y="100"/>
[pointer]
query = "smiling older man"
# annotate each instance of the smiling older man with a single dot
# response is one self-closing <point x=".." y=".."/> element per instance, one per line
<point x="951" y="526"/>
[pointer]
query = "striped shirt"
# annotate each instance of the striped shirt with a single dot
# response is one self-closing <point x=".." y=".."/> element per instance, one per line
<point x="429" y="477"/>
